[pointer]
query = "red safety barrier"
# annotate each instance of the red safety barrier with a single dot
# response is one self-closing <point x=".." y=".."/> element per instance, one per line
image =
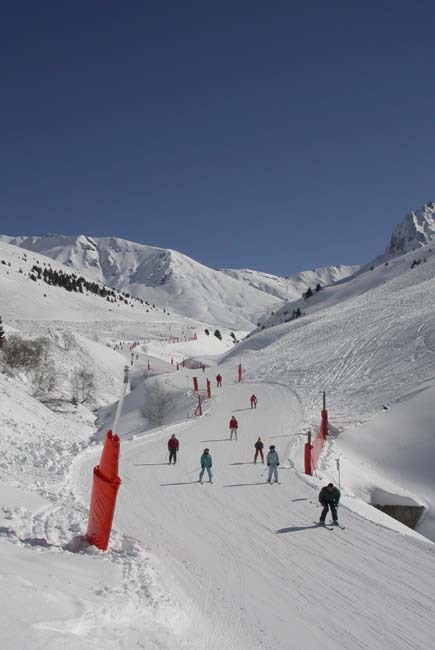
<point x="208" y="388"/>
<point x="195" y="384"/>
<point x="324" y="422"/>
<point x="307" y="458"/>
<point x="105" y="487"/>
<point x="110" y="457"/>
<point x="317" y="448"/>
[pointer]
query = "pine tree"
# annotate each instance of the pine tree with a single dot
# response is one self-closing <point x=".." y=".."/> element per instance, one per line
<point x="2" y="334"/>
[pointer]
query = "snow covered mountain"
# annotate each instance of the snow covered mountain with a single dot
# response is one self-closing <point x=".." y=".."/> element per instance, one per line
<point x="292" y="287"/>
<point x="417" y="229"/>
<point x="367" y="341"/>
<point x="170" y="279"/>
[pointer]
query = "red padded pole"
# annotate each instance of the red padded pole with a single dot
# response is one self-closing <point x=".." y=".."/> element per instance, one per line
<point x="307" y="459"/>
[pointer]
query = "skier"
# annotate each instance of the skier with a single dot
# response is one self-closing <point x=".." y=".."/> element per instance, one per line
<point x="253" y="401"/>
<point x="234" y="425"/>
<point x="173" y="446"/>
<point x="329" y="497"/>
<point x="259" y="450"/>
<point x="218" y="381"/>
<point x="206" y="464"/>
<point x="272" y="461"/>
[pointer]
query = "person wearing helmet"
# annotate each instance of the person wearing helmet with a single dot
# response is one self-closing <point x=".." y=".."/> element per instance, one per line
<point x="253" y="401"/>
<point x="329" y="497"/>
<point x="206" y="464"/>
<point x="272" y="460"/>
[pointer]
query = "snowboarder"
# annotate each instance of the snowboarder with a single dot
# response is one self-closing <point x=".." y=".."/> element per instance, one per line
<point x="218" y="381"/>
<point x="259" y="450"/>
<point x="272" y="461"/>
<point x="253" y="401"/>
<point x="173" y="446"/>
<point x="234" y="425"/>
<point x="329" y="497"/>
<point x="206" y="464"/>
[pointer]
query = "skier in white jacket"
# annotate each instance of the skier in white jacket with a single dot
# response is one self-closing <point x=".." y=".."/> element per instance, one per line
<point x="272" y="460"/>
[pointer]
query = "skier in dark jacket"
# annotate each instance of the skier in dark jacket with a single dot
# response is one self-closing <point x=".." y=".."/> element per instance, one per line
<point x="173" y="446"/>
<point x="259" y="450"/>
<point x="329" y="497"/>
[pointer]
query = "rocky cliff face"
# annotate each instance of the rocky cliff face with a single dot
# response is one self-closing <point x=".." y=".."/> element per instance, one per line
<point x="417" y="229"/>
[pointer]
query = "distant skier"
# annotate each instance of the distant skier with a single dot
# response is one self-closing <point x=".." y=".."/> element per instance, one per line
<point x="218" y="381"/>
<point x="234" y="425"/>
<point x="272" y="460"/>
<point x="253" y="401"/>
<point x="173" y="446"/>
<point x="329" y="497"/>
<point x="259" y="450"/>
<point x="206" y="464"/>
<point x="148" y="365"/>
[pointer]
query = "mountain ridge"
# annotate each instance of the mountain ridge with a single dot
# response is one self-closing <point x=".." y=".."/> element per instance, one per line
<point x="232" y="298"/>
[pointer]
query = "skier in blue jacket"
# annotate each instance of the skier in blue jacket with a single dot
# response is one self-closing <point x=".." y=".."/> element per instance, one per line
<point x="206" y="464"/>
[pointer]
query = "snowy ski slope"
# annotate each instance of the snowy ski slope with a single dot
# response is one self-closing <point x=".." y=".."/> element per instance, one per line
<point x="239" y="564"/>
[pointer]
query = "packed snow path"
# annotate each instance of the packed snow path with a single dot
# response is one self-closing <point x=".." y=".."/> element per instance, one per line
<point x="245" y="558"/>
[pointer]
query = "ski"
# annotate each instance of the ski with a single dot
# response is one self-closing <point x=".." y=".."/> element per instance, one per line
<point x="324" y="526"/>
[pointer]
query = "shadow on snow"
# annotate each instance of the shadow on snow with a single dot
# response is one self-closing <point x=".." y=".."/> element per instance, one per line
<point x="295" y="529"/>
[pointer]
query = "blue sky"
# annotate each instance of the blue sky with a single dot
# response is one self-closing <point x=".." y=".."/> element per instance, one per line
<point x="273" y="135"/>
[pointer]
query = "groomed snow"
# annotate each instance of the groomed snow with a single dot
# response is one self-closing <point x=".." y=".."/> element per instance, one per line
<point x="238" y="564"/>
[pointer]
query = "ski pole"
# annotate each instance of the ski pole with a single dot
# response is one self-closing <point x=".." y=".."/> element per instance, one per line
<point x="337" y="461"/>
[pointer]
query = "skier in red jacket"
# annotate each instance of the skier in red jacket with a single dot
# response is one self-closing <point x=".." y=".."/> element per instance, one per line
<point x="234" y="425"/>
<point x="218" y="381"/>
<point x="253" y="401"/>
<point x="173" y="446"/>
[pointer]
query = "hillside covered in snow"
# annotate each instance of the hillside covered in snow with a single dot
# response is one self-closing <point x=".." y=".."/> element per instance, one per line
<point x="234" y="299"/>
<point x="237" y="564"/>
